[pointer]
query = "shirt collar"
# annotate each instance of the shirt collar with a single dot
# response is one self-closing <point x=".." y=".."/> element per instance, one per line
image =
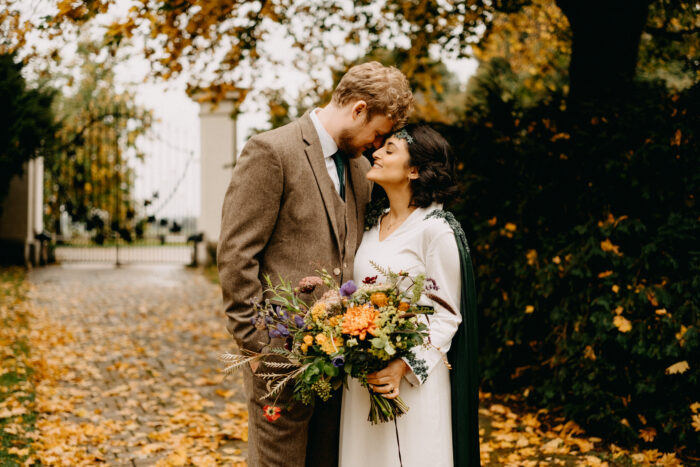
<point x="328" y="145"/>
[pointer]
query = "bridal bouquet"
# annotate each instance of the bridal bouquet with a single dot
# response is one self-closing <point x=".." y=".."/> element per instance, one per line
<point x="348" y="331"/>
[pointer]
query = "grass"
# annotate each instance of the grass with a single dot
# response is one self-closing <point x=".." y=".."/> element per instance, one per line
<point x="17" y="416"/>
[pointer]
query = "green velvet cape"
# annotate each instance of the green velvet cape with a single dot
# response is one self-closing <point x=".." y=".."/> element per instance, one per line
<point x="464" y="376"/>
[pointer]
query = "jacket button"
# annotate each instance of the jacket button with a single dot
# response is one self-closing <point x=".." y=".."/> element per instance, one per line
<point x="336" y="271"/>
<point x="345" y="265"/>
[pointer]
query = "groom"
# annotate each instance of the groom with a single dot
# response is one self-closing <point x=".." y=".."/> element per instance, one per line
<point x="296" y="204"/>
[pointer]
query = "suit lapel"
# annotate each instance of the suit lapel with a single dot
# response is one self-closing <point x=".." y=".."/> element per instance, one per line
<point x="314" y="154"/>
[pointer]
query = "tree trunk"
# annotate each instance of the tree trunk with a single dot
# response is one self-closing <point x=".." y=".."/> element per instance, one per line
<point x="605" y="44"/>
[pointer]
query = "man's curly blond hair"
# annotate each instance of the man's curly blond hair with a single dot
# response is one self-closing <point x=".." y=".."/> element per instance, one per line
<point x="384" y="88"/>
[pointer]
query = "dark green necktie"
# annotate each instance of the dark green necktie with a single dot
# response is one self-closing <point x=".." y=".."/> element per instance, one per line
<point x="340" y="167"/>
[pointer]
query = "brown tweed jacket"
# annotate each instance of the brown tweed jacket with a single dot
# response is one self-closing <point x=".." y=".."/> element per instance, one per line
<point x="280" y="217"/>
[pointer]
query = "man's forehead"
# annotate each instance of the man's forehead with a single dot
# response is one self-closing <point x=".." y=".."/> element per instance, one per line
<point x="382" y="124"/>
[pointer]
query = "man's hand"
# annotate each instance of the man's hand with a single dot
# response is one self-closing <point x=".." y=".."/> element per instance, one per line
<point x="386" y="381"/>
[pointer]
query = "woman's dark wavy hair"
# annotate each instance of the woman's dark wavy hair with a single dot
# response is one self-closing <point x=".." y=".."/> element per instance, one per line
<point x="431" y="154"/>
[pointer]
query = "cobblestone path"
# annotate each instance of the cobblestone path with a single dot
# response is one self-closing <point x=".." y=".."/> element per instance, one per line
<point x="128" y="372"/>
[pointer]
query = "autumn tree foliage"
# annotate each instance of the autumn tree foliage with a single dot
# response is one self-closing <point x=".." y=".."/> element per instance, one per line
<point x="89" y="174"/>
<point x="26" y="121"/>
<point x="583" y="217"/>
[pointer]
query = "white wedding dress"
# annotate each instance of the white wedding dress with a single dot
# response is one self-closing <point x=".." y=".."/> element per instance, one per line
<point x="418" y="246"/>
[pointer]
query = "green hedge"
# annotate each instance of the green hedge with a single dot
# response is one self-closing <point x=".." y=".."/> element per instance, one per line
<point x="585" y="233"/>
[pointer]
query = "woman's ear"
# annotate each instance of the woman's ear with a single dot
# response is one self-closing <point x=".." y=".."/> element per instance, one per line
<point x="413" y="173"/>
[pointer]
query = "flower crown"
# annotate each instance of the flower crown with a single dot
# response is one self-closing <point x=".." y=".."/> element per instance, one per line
<point x="403" y="134"/>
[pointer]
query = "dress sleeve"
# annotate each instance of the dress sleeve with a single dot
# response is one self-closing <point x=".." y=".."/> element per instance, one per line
<point x="442" y="265"/>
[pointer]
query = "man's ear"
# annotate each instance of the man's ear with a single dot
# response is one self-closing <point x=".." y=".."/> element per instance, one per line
<point x="359" y="108"/>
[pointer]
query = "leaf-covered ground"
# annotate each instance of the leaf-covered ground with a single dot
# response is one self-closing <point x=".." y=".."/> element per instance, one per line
<point x="17" y="416"/>
<point x="118" y="367"/>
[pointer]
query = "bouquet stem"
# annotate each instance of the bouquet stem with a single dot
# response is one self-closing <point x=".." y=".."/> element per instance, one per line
<point x="383" y="410"/>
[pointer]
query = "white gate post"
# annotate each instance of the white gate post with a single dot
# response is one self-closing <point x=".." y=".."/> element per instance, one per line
<point x="22" y="216"/>
<point x="218" y="152"/>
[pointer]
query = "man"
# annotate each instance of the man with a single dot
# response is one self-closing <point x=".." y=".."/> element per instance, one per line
<point x="296" y="204"/>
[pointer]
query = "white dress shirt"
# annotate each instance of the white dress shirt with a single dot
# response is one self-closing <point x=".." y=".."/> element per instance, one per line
<point x="328" y="147"/>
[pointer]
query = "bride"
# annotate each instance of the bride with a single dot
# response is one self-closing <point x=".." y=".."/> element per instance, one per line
<point x="415" y="235"/>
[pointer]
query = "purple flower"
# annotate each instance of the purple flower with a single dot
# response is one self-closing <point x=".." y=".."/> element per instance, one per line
<point x="299" y="321"/>
<point x="280" y="313"/>
<point x="274" y="333"/>
<point x="282" y="329"/>
<point x="430" y="284"/>
<point x="338" y="361"/>
<point x="348" y="289"/>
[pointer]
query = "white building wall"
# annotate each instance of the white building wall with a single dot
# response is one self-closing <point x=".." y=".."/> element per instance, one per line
<point x="217" y="157"/>
<point x="22" y="215"/>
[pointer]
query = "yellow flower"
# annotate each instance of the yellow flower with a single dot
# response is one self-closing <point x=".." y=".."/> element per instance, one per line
<point x="529" y="309"/>
<point x="304" y="348"/>
<point x="379" y="299"/>
<point x="318" y="311"/>
<point x="333" y="321"/>
<point x="404" y="306"/>
<point x="321" y="338"/>
<point x="329" y="346"/>
<point x="308" y="339"/>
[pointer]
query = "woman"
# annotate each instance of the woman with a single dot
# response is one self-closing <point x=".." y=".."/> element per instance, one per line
<point x="414" y="168"/>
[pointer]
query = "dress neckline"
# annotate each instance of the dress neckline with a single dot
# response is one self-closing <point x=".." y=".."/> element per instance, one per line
<point x="400" y="226"/>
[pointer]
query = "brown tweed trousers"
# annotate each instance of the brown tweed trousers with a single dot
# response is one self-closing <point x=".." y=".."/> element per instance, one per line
<point x="283" y="217"/>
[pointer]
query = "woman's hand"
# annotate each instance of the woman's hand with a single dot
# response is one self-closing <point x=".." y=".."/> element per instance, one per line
<point x="386" y="381"/>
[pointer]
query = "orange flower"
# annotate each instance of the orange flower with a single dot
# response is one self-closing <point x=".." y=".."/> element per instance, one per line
<point x="360" y="320"/>
<point x="404" y="306"/>
<point x="379" y="299"/>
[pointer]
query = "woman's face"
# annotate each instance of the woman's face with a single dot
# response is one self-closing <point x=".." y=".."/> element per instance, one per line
<point x="391" y="164"/>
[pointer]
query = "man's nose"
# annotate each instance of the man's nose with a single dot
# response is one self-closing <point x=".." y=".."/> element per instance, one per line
<point x="378" y="142"/>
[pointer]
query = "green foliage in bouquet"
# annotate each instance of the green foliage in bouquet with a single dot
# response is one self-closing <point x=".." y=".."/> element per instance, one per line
<point x="584" y="229"/>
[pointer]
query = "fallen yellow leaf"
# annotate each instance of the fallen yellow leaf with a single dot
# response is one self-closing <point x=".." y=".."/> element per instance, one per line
<point x="647" y="434"/>
<point x="679" y="367"/>
<point x="608" y="246"/>
<point x="622" y="324"/>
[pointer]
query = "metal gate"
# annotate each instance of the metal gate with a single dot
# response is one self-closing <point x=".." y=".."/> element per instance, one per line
<point x="127" y="198"/>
